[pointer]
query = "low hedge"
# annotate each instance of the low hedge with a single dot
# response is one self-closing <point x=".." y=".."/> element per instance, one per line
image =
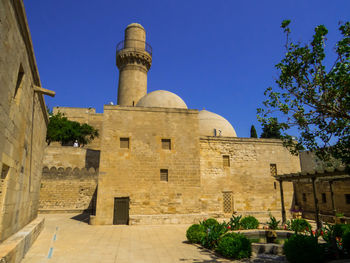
<point x="233" y="245"/>
<point x="303" y="249"/>
<point x="195" y="233"/>
<point x="249" y="222"/>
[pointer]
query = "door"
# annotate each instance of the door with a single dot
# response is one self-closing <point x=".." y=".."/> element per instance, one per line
<point x="121" y="211"/>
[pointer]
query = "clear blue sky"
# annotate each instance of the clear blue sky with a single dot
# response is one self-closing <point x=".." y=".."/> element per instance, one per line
<point x="217" y="55"/>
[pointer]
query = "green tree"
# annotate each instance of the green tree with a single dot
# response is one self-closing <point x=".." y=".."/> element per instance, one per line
<point x="253" y="133"/>
<point x="312" y="98"/>
<point x="62" y="130"/>
<point x="271" y="129"/>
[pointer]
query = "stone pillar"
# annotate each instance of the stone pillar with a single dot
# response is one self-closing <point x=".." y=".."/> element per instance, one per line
<point x="134" y="59"/>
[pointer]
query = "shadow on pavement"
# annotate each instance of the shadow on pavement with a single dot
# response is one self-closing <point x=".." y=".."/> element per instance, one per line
<point x="82" y="218"/>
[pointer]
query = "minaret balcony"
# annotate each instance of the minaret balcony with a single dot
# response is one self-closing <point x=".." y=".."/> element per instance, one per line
<point x="134" y="45"/>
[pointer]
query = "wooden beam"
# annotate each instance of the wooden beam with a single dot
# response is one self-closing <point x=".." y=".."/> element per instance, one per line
<point x="332" y="199"/>
<point x="317" y="210"/>
<point x="282" y="203"/>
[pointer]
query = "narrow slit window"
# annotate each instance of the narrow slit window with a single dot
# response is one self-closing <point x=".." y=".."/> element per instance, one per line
<point x="273" y="169"/>
<point x="19" y="80"/>
<point x="324" y="198"/>
<point x="227" y="202"/>
<point x="4" y="171"/>
<point x="226" y="160"/>
<point x="166" y="144"/>
<point x="164" y="175"/>
<point x="124" y="143"/>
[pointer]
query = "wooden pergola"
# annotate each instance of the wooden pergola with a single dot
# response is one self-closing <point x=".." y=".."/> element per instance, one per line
<point x="330" y="175"/>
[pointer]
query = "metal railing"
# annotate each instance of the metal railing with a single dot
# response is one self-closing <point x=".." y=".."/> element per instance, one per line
<point x="134" y="44"/>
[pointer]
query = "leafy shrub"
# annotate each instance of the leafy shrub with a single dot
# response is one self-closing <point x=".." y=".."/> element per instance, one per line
<point x="235" y="222"/>
<point x="213" y="234"/>
<point x="300" y="225"/>
<point x="209" y="222"/>
<point x="249" y="222"/>
<point x="233" y="245"/>
<point x="195" y="233"/>
<point x="273" y="223"/>
<point x="303" y="249"/>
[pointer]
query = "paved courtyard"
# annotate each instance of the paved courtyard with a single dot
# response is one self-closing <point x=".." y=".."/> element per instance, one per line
<point x="68" y="238"/>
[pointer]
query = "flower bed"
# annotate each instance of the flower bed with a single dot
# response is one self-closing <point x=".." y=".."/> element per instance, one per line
<point x="302" y="244"/>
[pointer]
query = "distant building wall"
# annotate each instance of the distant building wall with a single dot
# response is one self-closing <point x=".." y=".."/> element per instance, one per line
<point x="68" y="190"/>
<point x="304" y="194"/>
<point x="247" y="177"/>
<point x="23" y="122"/>
<point x="68" y="156"/>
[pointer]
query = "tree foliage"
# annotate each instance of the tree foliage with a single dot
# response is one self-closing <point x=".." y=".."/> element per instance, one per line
<point x="271" y="129"/>
<point x="62" y="130"/>
<point x="253" y="133"/>
<point x="312" y="98"/>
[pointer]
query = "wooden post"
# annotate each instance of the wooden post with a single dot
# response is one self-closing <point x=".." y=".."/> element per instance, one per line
<point x="318" y="222"/>
<point x="282" y="203"/>
<point x="332" y="199"/>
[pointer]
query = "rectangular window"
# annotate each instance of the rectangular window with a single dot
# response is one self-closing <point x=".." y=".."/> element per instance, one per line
<point x="166" y="144"/>
<point x="347" y="198"/>
<point x="273" y="169"/>
<point x="227" y="202"/>
<point x="324" y="198"/>
<point x="164" y="175"/>
<point x="226" y="160"/>
<point x="124" y="143"/>
<point x="304" y="197"/>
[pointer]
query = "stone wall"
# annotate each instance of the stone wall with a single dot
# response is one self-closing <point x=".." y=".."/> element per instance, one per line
<point x="135" y="171"/>
<point x="23" y="122"/>
<point x="68" y="156"/>
<point x="247" y="178"/>
<point x="68" y="190"/>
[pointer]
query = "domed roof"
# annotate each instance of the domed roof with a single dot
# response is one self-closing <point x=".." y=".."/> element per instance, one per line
<point x="161" y="99"/>
<point x="209" y="121"/>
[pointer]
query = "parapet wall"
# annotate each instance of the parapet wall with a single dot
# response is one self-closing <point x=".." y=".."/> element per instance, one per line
<point x="67" y="189"/>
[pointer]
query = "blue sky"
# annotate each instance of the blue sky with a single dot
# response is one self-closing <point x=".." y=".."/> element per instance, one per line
<point x="218" y="55"/>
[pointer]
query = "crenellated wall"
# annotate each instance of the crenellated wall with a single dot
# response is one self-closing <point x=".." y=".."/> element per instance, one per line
<point x="68" y="189"/>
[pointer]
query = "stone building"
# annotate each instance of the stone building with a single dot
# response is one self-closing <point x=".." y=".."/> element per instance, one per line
<point x="160" y="162"/>
<point x="23" y="122"/>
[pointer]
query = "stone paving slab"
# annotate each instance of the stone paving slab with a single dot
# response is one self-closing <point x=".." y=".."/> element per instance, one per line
<point x="68" y="238"/>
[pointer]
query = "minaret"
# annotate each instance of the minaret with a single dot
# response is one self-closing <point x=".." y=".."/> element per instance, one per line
<point x="134" y="59"/>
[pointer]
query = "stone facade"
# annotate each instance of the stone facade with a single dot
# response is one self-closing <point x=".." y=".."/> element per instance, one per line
<point x="246" y="179"/>
<point x="135" y="171"/>
<point x="68" y="190"/>
<point x="23" y="123"/>
<point x="161" y="162"/>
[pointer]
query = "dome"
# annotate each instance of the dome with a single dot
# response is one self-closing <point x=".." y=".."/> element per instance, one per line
<point x="135" y="25"/>
<point x="209" y="121"/>
<point x="161" y="99"/>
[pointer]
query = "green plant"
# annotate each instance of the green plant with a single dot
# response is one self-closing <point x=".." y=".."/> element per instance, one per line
<point x="235" y="222"/>
<point x="312" y="97"/>
<point x="195" y="233"/>
<point x="233" y="245"/>
<point x="303" y="249"/>
<point x="253" y="133"/>
<point x="213" y="234"/>
<point x="62" y="130"/>
<point x="300" y="225"/>
<point x="249" y="222"/>
<point x="273" y="223"/>
<point x="209" y="222"/>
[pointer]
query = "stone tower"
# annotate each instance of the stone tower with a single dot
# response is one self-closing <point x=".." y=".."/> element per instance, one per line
<point x="134" y="59"/>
